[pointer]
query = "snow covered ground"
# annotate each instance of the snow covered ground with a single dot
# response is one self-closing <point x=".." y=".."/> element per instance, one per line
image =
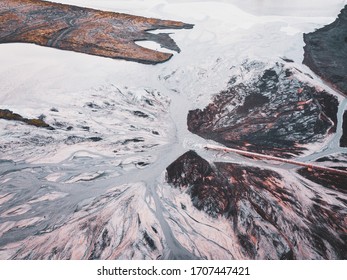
<point x="95" y="186"/>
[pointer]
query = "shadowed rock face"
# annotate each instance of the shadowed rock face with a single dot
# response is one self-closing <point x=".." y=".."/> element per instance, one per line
<point x="84" y="30"/>
<point x="326" y="52"/>
<point x="272" y="113"/>
<point x="274" y="216"/>
<point x="343" y="140"/>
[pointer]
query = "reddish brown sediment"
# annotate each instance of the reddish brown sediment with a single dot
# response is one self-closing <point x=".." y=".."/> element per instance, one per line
<point x="85" y="30"/>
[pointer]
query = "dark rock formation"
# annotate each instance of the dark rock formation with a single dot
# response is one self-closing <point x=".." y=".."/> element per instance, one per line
<point x="271" y="217"/>
<point x="272" y="113"/>
<point x="9" y="115"/>
<point x="274" y="213"/>
<point x="326" y="52"/>
<point x="209" y="190"/>
<point x="343" y="140"/>
<point x="84" y="30"/>
<point x="325" y="179"/>
<point x="329" y="180"/>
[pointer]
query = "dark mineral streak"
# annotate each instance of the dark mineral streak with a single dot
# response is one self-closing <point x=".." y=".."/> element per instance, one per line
<point x="84" y="30"/>
<point x="326" y="52"/>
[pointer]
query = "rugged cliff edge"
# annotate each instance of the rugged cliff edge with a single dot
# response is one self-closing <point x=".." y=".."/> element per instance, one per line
<point x="326" y="52"/>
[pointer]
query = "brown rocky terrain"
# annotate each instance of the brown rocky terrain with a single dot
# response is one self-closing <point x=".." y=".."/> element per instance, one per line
<point x="85" y="30"/>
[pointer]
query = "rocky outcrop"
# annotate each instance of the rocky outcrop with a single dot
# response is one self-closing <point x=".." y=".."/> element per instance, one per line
<point x="272" y="113"/>
<point x="209" y="190"/>
<point x="274" y="215"/>
<point x="84" y="30"/>
<point x="9" y="115"/>
<point x="326" y="52"/>
<point x="343" y="140"/>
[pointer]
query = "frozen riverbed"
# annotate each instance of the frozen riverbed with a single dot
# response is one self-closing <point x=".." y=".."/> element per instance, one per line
<point x="95" y="186"/>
